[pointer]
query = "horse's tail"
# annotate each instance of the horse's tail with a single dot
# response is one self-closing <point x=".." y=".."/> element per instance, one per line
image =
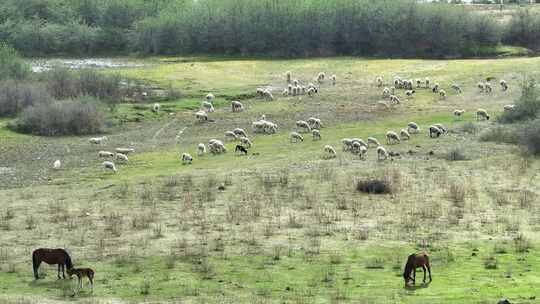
<point x="35" y="263"/>
<point x="69" y="264"/>
<point x="409" y="267"/>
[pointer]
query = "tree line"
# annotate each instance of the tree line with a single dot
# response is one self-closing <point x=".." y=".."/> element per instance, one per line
<point x="391" y="28"/>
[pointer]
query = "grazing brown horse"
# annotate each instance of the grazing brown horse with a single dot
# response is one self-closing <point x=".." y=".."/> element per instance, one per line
<point x="81" y="273"/>
<point x="51" y="257"/>
<point x="416" y="260"/>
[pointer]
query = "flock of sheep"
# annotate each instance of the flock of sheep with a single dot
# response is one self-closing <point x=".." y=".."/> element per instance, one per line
<point x="312" y="125"/>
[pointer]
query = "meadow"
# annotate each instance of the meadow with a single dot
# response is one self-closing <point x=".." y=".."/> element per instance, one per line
<point x="287" y="225"/>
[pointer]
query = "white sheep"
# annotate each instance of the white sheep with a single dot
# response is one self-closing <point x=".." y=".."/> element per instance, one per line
<point x="434" y="130"/>
<point x="240" y="132"/>
<point x="201" y="116"/>
<point x="330" y="151"/>
<point x="382" y="154"/>
<point x="458" y="113"/>
<point x="296" y="82"/>
<point x="347" y="144"/>
<point x="124" y="151"/>
<point x="201" y="149"/>
<point x="379" y="81"/>
<point x="359" y="141"/>
<point x="413" y="128"/>
<point x="456" y="88"/>
<point x="404" y="134"/>
<point x="509" y="107"/>
<point x="373" y="141"/>
<point x="122" y="157"/>
<point x="105" y="154"/>
<point x="362" y="153"/>
<point x="314" y="123"/>
<point x="482" y="114"/>
<point x="57" y="164"/>
<point x="504" y="85"/>
<point x="210" y="97"/>
<point x="260" y="92"/>
<point x="289" y="89"/>
<point x="435" y="88"/>
<point x="392" y="138"/>
<point x="316" y="134"/>
<point x="156" y="108"/>
<point x="216" y="146"/>
<point x="311" y="92"/>
<point x="398" y="83"/>
<point x="481" y="86"/>
<point x="186" y="159"/>
<point x="320" y="77"/>
<point x="488" y="87"/>
<point x="229" y="135"/>
<point x="208" y="106"/>
<point x="442" y="94"/>
<point x="98" y="140"/>
<point x="268" y="95"/>
<point x="394" y="99"/>
<point x="386" y="92"/>
<point x="288" y="76"/>
<point x="356" y="147"/>
<point x="303" y="126"/>
<point x="246" y="142"/>
<point x="295" y="137"/>
<point x="263" y="117"/>
<point x="237" y="106"/>
<point x="333" y="78"/>
<point x="109" y="165"/>
<point x="285" y="93"/>
<point x="442" y="128"/>
<point x="426" y="82"/>
<point x="418" y="83"/>
<point x="410" y="93"/>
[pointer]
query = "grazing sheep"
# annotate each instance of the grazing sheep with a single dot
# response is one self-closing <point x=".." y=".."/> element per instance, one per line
<point x="347" y="144"/>
<point x="379" y="81"/>
<point x="263" y="126"/>
<point x="458" y="113"/>
<point x="296" y="82"/>
<point x="201" y="149"/>
<point x="303" y="126"/>
<point x="57" y="164"/>
<point x="481" y="86"/>
<point x="105" y="154"/>
<point x="392" y="138"/>
<point x="333" y="78"/>
<point x="98" y="140"/>
<point x="210" y="97"/>
<point x="373" y="141"/>
<point x="311" y="85"/>
<point x="320" y="77"/>
<point x="263" y="117"/>
<point x="362" y="153"/>
<point x="441" y="127"/>
<point x="289" y="89"/>
<point x="295" y="137"/>
<point x="316" y="134"/>
<point x="240" y="132"/>
<point x="314" y="123"/>
<point x="435" y="88"/>
<point x="207" y="106"/>
<point x="285" y="93"/>
<point x="418" y="83"/>
<point x="356" y="147"/>
<point x="482" y="114"/>
<point x="109" y="165"/>
<point x="260" y="92"/>
<point x="488" y="87"/>
<point x="156" y="108"/>
<point x="504" y="85"/>
<point x="216" y="146"/>
<point x="404" y="134"/>
<point x="124" y="151"/>
<point x="394" y="99"/>
<point x="270" y="128"/>
<point x="330" y="151"/>
<point x="311" y="92"/>
<point x="245" y="142"/>
<point x="237" y="106"/>
<point x="509" y="107"/>
<point x="303" y="90"/>
<point x="434" y="130"/>
<point x="456" y="88"/>
<point x="268" y="95"/>
<point x="410" y="93"/>
<point x="201" y="116"/>
<point x="386" y="92"/>
<point x="288" y="76"/>
<point x="413" y="128"/>
<point x="382" y="154"/>
<point x="230" y="135"/>
<point x="122" y="157"/>
<point x="442" y="94"/>
<point x="426" y="83"/>
<point x="186" y="159"/>
<point x="408" y="84"/>
<point x="359" y="141"/>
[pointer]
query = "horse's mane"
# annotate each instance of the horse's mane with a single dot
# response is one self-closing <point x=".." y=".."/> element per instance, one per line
<point x="69" y="264"/>
<point x="409" y="266"/>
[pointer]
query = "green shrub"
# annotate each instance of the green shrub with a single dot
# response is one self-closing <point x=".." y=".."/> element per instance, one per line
<point x="67" y="117"/>
<point x="528" y="105"/>
<point x="500" y="134"/>
<point x="15" y="96"/>
<point x="11" y="64"/>
<point x="529" y="137"/>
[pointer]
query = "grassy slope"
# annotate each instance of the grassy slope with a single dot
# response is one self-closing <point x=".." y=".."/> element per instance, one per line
<point x="247" y="276"/>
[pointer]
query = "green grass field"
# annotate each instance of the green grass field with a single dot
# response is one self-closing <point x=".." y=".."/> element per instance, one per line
<point x="289" y="226"/>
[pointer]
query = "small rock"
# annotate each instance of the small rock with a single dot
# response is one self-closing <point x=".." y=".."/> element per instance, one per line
<point x="504" y="301"/>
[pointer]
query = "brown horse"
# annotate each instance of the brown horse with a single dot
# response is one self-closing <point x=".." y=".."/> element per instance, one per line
<point x="81" y="273"/>
<point x="51" y="257"/>
<point x="416" y="260"/>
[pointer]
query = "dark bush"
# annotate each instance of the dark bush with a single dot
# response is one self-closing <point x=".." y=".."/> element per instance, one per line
<point x="11" y="64"/>
<point x="374" y="186"/>
<point x="456" y="154"/>
<point x="530" y="137"/>
<point x="500" y="134"/>
<point x="15" y="96"/>
<point x="528" y="105"/>
<point x="66" y="117"/>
